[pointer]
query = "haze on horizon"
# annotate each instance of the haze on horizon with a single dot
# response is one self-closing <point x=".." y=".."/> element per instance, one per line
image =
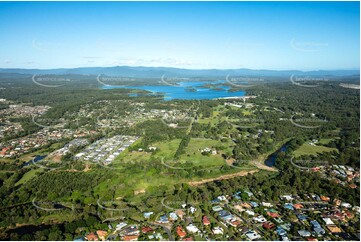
<point x="193" y="35"/>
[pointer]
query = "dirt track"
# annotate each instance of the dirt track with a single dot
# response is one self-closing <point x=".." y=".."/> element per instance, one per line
<point x="224" y="177"/>
<point x="262" y="166"/>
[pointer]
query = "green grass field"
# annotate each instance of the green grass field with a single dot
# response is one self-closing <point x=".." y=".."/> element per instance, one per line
<point x="29" y="175"/>
<point x="307" y="149"/>
<point x="325" y="141"/>
<point x="216" y="117"/>
<point x="246" y="112"/>
<point x="193" y="153"/>
<point x="133" y="180"/>
<point x="166" y="149"/>
<point x="127" y="156"/>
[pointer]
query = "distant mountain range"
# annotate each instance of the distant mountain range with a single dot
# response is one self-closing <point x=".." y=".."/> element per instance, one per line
<point x="156" y="72"/>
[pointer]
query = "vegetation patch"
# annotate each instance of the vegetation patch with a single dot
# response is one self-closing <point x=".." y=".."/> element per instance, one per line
<point x="307" y="149"/>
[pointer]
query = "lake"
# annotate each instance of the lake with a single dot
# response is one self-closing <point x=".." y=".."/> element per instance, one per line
<point x="271" y="160"/>
<point x="187" y="90"/>
<point x="36" y="159"/>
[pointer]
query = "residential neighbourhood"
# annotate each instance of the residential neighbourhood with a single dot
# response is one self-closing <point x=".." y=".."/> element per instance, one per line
<point x="297" y="217"/>
<point x="16" y="147"/>
<point x="54" y="130"/>
<point x="107" y="149"/>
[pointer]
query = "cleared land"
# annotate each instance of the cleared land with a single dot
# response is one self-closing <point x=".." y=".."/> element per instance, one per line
<point x="223" y="177"/>
<point x="325" y="141"/>
<point x="307" y="149"/>
<point x="132" y="180"/>
<point x="29" y="175"/>
<point x="194" y="155"/>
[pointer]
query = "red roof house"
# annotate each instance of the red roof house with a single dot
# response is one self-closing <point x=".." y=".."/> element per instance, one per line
<point x="180" y="231"/>
<point x="273" y="215"/>
<point x="206" y="220"/>
<point x="187" y="239"/>
<point x="91" y="237"/>
<point x="146" y="229"/>
<point x="268" y="225"/>
<point x="130" y="237"/>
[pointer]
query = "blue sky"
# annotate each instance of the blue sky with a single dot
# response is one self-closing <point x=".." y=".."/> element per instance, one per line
<point x="256" y="35"/>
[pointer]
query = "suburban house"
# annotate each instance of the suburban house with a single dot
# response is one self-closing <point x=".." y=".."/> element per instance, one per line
<point x="317" y="228"/>
<point x="217" y="230"/>
<point x="146" y="229"/>
<point x="192" y="229"/>
<point x="102" y="234"/>
<point x="131" y="238"/>
<point x="163" y="219"/>
<point x="147" y="214"/>
<point x="333" y="228"/>
<point x="252" y="235"/>
<point x="205" y="220"/>
<point x="173" y="216"/>
<point x="180" y="213"/>
<point x="297" y="206"/>
<point x="121" y="226"/>
<point x="91" y="237"/>
<point x="304" y="233"/>
<point x="268" y="225"/>
<point x="180" y="231"/>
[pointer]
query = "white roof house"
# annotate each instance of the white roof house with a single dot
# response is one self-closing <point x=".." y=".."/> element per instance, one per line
<point x="260" y="219"/>
<point x="287" y="197"/>
<point x="346" y="205"/>
<point x="250" y="212"/>
<point x="328" y="221"/>
<point x="217" y="230"/>
<point x="192" y="229"/>
<point x="252" y="235"/>
<point x="264" y="204"/>
<point x="192" y="209"/>
<point x="121" y="225"/>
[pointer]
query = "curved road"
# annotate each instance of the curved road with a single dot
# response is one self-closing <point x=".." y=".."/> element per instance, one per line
<point x="166" y="229"/>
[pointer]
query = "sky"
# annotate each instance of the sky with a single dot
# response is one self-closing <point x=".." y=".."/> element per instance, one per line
<point x="194" y="35"/>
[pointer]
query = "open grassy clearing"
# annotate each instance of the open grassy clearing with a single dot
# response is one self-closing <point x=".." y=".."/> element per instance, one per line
<point x="129" y="183"/>
<point x="194" y="155"/>
<point x="166" y="149"/>
<point x="3" y="159"/>
<point x="59" y="217"/>
<point x="246" y="112"/>
<point x="325" y="141"/>
<point x="128" y="179"/>
<point x="130" y="156"/>
<point x="29" y="175"/>
<point x="307" y="149"/>
<point x="216" y="118"/>
<point x="133" y="180"/>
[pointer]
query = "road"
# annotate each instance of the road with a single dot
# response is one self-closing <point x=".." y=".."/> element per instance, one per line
<point x="166" y="229"/>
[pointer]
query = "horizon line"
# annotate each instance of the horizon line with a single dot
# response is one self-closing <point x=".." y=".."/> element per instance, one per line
<point x="171" y="67"/>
